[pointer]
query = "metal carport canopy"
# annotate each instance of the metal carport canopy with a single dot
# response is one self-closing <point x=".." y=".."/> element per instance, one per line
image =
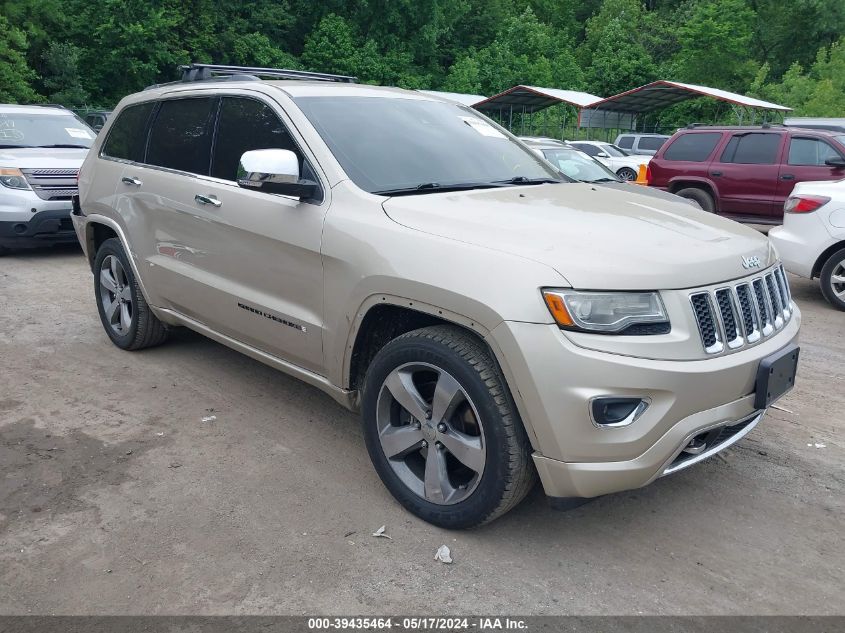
<point x="465" y="99"/>
<point x="661" y="94"/>
<point x="529" y="99"/>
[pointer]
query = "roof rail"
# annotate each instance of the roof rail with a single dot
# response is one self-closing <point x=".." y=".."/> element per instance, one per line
<point x="206" y="72"/>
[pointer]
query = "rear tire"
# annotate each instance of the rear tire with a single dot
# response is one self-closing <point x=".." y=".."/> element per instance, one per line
<point x="460" y="419"/>
<point x="832" y="279"/>
<point x="124" y="313"/>
<point x="700" y="197"/>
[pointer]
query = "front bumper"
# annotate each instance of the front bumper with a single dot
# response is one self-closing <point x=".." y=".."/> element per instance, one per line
<point x="554" y="380"/>
<point x="40" y="229"/>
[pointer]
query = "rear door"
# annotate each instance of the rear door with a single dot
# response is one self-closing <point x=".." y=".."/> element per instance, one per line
<point x="746" y="173"/>
<point x="157" y="204"/>
<point x="805" y="160"/>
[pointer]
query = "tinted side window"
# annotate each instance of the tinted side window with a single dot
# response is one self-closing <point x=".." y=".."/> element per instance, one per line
<point x="627" y="142"/>
<point x="128" y="135"/>
<point x="651" y="142"/>
<point x="246" y="124"/>
<point x="752" y="149"/>
<point x="589" y="150"/>
<point x="810" y="151"/>
<point x="181" y="135"/>
<point x="692" y="147"/>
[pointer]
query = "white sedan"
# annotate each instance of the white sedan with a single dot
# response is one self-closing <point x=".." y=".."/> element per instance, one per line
<point x="617" y="159"/>
<point x="811" y="241"/>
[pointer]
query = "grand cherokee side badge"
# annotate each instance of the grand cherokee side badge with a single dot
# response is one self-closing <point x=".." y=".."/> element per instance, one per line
<point x="750" y="262"/>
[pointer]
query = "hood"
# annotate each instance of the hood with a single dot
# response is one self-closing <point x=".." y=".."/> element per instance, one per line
<point x="596" y="237"/>
<point x="43" y="157"/>
<point x="651" y="192"/>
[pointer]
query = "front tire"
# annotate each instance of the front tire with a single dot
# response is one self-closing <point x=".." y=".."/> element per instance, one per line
<point x="832" y="279"/>
<point x="442" y="430"/>
<point x="700" y="197"/>
<point x="124" y="313"/>
<point x="627" y="174"/>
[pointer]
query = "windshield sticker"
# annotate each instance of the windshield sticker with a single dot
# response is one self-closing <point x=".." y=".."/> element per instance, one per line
<point x="78" y="132"/>
<point x="482" y="127"/>
<point x="11" y="134"/>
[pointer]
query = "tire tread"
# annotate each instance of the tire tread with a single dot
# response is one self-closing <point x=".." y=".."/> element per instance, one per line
<point x="523" y="475"/>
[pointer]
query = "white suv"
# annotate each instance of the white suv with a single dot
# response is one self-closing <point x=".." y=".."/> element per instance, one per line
<point x="41" y="150"/>
<point x="490" y="319"/>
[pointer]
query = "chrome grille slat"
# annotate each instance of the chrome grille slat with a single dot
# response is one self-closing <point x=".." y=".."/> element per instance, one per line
<point x="52" y="184"/>
<point x="783" y="289"/>
<point x="774" y="300"/>
<point x="742" y="313"/>
<point x="730" y="317"/>
<point x="708" y="326"/>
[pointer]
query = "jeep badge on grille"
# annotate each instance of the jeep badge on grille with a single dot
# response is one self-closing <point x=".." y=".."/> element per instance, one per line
<point x="750" y="262"/>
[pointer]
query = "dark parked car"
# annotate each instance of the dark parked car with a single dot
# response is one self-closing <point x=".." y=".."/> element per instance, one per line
<point x="97" y="119"/>
<point x="745" y="172"/>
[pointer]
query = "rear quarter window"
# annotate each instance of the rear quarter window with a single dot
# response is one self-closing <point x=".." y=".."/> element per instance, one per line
<point x="128" y="135"/>
<point x="651" y="143"/>
<point x="695" y="147"/>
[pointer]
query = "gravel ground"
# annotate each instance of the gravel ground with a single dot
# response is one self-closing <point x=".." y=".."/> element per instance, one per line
<point x="116" y="497"/>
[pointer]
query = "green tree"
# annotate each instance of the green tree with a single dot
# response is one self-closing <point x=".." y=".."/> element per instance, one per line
<point x="614" y="49"/>
<point x="62" y="79"/>
<point x="714" y="38"/>
<point x="525" y="51"/>
<point x="16" y="76"/>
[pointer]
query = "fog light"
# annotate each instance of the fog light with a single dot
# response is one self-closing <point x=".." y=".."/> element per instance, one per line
<point x="614" y="412"/>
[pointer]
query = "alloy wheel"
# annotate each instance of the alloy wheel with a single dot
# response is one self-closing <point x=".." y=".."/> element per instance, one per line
<point x="116" y="295"/>
<point x="431" y="433"/>
<point x="837" y="280"/>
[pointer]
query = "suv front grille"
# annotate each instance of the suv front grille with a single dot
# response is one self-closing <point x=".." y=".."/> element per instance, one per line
<point x="52" y="184"/>
<point x="742" y="313"/>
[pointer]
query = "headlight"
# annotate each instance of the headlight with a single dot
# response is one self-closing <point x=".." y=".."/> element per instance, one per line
<point x="13" y="178"/>
<point x="608" y="312"/>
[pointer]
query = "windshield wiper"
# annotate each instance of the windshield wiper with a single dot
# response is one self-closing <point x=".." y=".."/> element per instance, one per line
<point x="604" y="180"/>
<point x="61" y="145"/>
<point x="525" y="180"/>
<point x="14" y="146"/>
<point x="435" y="187"/>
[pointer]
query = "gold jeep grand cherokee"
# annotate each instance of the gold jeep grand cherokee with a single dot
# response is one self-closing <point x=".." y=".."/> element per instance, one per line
<point x="491" y="320"/>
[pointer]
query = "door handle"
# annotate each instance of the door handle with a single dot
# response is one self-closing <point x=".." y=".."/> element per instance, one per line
<point x="131" y="180"/>
<point x="788" y="177"/>
<point x="715" y="174"/>
<point x="201" y="199"/>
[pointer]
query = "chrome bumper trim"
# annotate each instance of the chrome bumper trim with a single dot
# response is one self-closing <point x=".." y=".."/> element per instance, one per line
<point x="670" y="469"/>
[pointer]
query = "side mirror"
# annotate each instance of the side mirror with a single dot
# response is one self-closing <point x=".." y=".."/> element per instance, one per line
<point x="602" y="155"/>
<point x="836" y="162"/>
<point x="274" y="171"/>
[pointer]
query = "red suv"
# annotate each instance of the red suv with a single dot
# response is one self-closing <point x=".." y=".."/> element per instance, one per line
<point x="745" y="173"/>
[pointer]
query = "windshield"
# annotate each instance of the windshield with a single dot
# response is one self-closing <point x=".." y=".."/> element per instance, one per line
<point x="24" y="129"/>
<point x="613" y="150"/>
<point x="578" y="165"/>
<point x="386" y="145"/>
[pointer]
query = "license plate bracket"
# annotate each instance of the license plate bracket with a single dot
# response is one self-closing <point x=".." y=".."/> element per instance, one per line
<point x="776" y="376"/>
